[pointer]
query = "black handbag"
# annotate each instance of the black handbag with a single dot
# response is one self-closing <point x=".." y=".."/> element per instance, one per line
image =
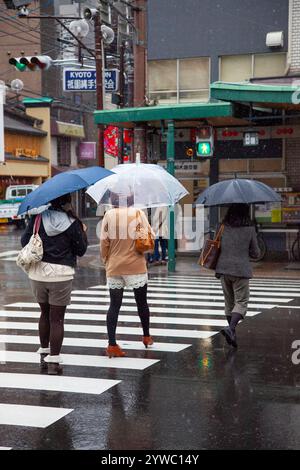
<point x="211" y="251"/>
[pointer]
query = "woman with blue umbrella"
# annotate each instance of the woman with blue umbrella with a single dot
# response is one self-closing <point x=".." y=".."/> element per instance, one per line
<point x="63" y="237"/>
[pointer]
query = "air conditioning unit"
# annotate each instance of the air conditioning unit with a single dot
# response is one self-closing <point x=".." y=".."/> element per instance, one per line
<point x="274" y="39"/>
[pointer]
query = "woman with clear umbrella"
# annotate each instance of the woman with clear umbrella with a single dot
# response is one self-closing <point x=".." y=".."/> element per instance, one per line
<point x="131" y="189"/>
<point x="124" y="265"/>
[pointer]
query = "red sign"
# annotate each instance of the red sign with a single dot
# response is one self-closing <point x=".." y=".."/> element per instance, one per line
<point x="111" y="140"/>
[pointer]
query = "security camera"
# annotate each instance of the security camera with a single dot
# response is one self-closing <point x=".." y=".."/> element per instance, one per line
<point x="23" y="11"/>
<point x="90" y="13"/>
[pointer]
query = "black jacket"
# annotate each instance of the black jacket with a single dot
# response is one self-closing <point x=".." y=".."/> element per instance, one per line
<point x="62" y="248"/>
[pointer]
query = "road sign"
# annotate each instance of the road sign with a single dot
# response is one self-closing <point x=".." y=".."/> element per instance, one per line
<point x="85" y="80"/>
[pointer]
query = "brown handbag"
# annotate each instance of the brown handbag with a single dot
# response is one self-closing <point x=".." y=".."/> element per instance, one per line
<point x="144" y="241"/>
<point x="211" y="251"/>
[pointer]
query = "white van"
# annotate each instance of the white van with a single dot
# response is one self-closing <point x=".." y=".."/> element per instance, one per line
<point x="9" y="207"/>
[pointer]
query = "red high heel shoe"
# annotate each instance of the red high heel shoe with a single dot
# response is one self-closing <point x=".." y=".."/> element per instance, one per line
<point x="147" y="341"/>
<point x="114" y="351"/>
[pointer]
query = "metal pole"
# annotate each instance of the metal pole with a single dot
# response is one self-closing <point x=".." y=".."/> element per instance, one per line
<point x="99" y="86"/>
<point x="121" y="91"/>
<point x="2" y="96"/>
<point x="171" y="170"/>
<point x="140" y="76"/>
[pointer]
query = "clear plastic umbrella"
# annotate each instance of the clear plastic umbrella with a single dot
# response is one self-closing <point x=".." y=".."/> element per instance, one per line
<point x="139" y="184"/>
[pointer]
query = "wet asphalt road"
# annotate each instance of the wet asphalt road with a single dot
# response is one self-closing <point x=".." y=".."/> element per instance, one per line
<point x="205" y="396"/>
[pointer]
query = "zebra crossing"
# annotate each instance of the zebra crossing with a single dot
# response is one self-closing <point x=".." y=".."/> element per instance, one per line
<point x="183" y="309"/>
<point x="9" y="255"/>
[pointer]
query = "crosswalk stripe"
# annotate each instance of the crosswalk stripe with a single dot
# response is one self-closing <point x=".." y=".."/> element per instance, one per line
<point x="281" y="291"/>
<point x="5" y="448"/>
<point x="170" y="300"/>
<point x="120" y="330"/>
<point x="8" y="253"/>
<point x="130" y="319"/>
<point x="99" y="317"/>
<point x="133" y="309"/>
<point x="133" y="363"/>
<point x="32" y="416"/>
<point x="95" y="343"/>
<point x="214" y="279"/>
<point x="56" y="383"/>
<point x="169" y="293"/>
<point x="170" y="282"/>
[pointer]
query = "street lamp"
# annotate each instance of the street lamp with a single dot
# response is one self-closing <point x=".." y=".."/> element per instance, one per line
<point x="80" y="28"/>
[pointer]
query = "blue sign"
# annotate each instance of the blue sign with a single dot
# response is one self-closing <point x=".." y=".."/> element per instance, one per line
<point x="111" y="79"/>
<point x="85" y="80"/>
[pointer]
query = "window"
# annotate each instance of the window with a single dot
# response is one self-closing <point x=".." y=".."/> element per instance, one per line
<point x="21" y="192"/>
<point x="178" y="81"/>
<point x="238" y="68"/>
<point x="269" y="65"/>
<point x="64" y="151"/>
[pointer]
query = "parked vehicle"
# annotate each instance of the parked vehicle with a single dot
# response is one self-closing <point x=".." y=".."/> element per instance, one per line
<point x="9" y="206"/>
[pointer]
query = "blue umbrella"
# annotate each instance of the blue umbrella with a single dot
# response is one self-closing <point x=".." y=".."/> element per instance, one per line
<point x="61" y="184"/>
<point x="237" y="191"/>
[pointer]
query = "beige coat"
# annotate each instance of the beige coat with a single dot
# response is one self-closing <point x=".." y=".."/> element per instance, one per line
<point x="117" y="242"/>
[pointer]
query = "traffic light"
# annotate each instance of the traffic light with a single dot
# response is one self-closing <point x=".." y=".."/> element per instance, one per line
<point x="38" y="62"/>
<point x="205" y="142"/>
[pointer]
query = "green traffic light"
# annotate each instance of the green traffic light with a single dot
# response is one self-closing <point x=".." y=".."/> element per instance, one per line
<point x="20" y="67"/>
<point x="204" y="149"/>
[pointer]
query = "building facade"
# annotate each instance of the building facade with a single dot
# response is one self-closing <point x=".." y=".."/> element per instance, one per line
<point x="219" y="41"/>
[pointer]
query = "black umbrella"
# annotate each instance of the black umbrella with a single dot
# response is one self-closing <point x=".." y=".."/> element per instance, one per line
<point x="237" y="191"/>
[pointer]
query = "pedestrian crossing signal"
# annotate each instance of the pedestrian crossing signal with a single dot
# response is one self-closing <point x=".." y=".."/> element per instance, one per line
<point x="205" y="142"/>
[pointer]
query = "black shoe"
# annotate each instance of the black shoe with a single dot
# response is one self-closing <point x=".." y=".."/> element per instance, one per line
<point x="230" y="336"/>
<point x="43" y="364"/>
<point x="54" y="368"/>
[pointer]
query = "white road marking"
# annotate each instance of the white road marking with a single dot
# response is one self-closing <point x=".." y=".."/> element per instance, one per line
<point x="81" y="360"/>
<point x="3" y="254"/>
<point x="32" y="416"/>
<point x="56" y="383"/>
<point x="179" y="293"/>
<point x="99" y="317"/>
<point x="96" y="343"/>
<point x="174" y="300"/>
<point x="120" y="330"/>
<point x="128" y="308"/>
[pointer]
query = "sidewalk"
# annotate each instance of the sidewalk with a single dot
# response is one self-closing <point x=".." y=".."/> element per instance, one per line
<point x="187" y="264"/>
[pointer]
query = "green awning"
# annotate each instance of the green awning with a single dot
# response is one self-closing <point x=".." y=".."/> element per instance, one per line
<point x="37" y="102"/>
<point x="176" y="112"/>
<point x="254" y="93"/>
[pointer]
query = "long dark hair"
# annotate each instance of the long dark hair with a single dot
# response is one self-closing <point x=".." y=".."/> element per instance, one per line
<point x="238" y="215"/>
<point x="59" y="203"/>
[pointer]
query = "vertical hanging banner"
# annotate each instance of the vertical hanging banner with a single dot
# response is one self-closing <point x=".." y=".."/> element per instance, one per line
<point x="111" y="136"/>
<point x="2" y="97"/>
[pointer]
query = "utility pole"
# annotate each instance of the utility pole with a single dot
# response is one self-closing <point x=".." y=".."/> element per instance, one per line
<point x="122" y="96"/>
<point x="99" y="85"/>
<point x="139" y="51"/>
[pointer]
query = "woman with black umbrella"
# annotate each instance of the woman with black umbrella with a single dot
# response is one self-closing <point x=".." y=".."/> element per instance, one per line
<point x="238" y="243"/>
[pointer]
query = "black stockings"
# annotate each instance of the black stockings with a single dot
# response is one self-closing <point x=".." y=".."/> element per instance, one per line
<point x="51" y="327"/>
<point x="116" y="297"/>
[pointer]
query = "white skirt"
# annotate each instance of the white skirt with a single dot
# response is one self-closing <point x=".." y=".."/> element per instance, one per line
<point x="134" y="281"/>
